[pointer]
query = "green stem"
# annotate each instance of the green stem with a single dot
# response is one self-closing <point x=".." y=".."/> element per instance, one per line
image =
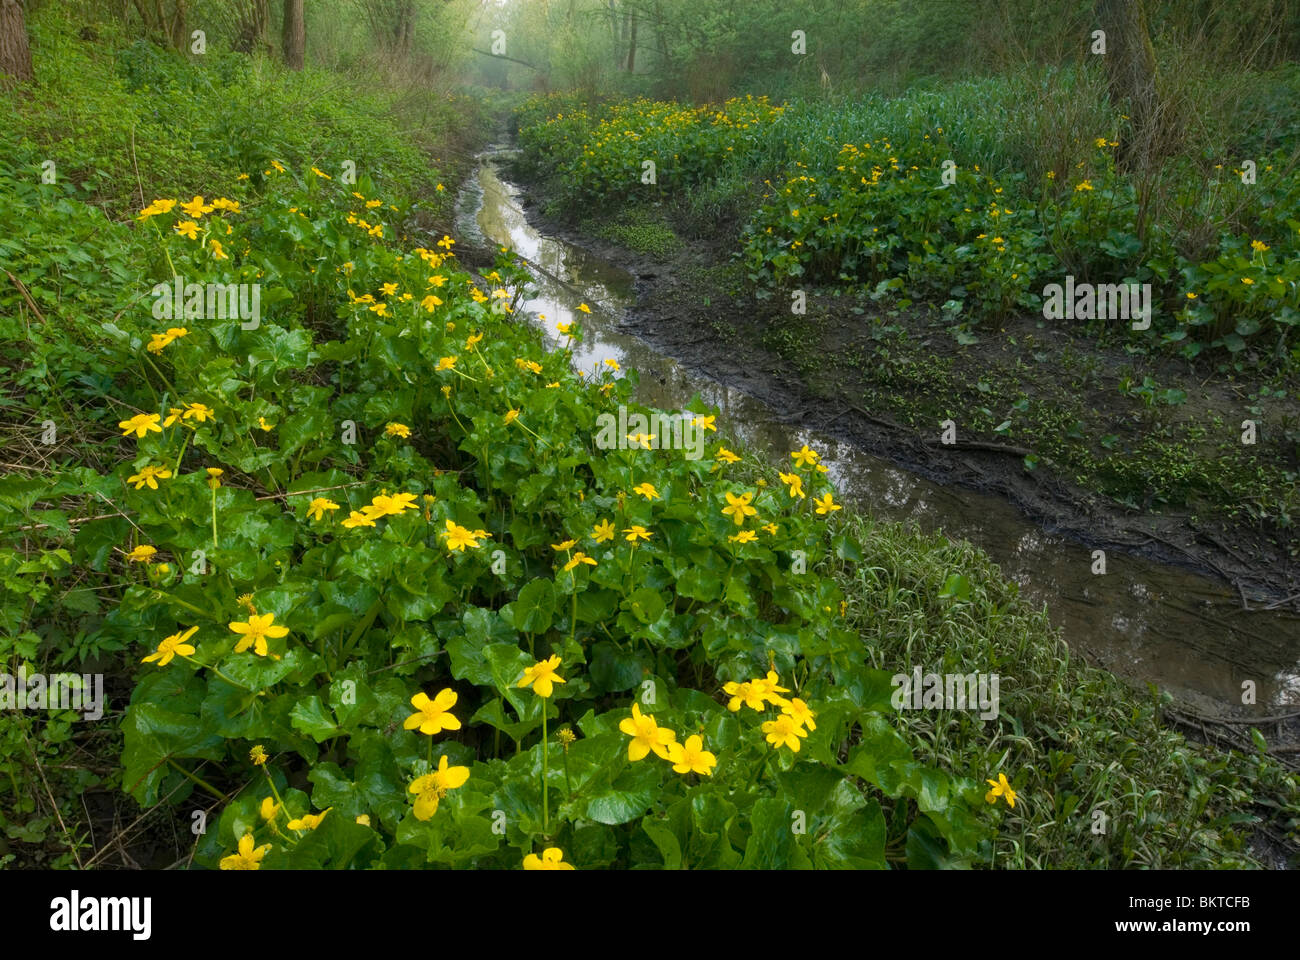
<point x="546" y="807"/>
<point x="214" y="518"/>
<point x="200" y="781"/>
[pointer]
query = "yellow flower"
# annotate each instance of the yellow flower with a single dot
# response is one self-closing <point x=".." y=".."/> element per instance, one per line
<point x="458" y="537"/>
<point x="826" y="505"/>
<point x="745" y="536"/>
<point x="542" y="676"/>
<point x="563" y="545"/>
<point x="646" y="490"/>
<point x="738" y="507"/>
<point x="1083" y="185"/>
<point x="173" y="646"/>
<point x="1191" y="296"/>
<point x="150" y="476"/>
<point x="218" y="252"/>
<point x="1247" y="281"/>
<point x="784" y="731"/>
<point x="140" y="424"/>
<point x="363" y="819"/>
<point x="248" y="857"/>
<point x="388" y="289"/>
<point x="584" y="308"/>
<point x="770" y="528"/>
<point x="552" y="858"/>
<point x="769" y="688"/>
<point x="800" y="711"/>
<point x="578" y="558"/>
<point x="743" y="693"/>
<point x="705" y="422"/>
<point x="321" y="174"/>
<point x="309" y="821"/>
<point x="356" y="519"/>
<point x="794" y="481"/>
<point x="430" y="302"/>
<point x="255" y="631"/>
<point x="270" y="809"/>
<point x="1001" y="788"/>
<point x="805" y="456"/>
<point x="510" y="417"/>
<point x="564" y="328"/>
<point x="646" y="735"/>
<point x="727" y="455"/>
<point x="611" y="363"/>
<point x="433" y="716"/>
<point x="691" y="757"/>
<point x="431" y="787"/>
<point x="389" y="506"/>
<point x="472" y="339"/>
<point x="635" y="532"/>
<point x="316" y="509"/>
<point x="199" y="412"/>
<point x="188" y="228"/>
<point x="602" y="531"/>
<point x="258" y="756"/>
<point x="142" y="554"/>
<point x="267" y="427"/>
<point x="447" y="363"/>
<point x="196" y="209"/>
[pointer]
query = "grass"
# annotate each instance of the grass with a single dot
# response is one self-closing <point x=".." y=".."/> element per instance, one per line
<point x="1090" y="749"/>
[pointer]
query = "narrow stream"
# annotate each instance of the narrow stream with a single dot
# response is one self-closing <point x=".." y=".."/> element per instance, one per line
<point x="1144" y="621"/>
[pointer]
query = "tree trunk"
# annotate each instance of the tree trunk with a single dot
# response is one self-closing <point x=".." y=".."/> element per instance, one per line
<point x="294" y="38"/>
<point x="631" y="47"/>
<point x="252" y="26"/>
<point x="15" y="55"/>
<point x="1131" y="77"/>
<point x="178" y="31"/>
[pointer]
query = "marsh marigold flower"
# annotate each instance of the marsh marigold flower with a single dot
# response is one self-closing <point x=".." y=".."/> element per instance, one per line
<point x="738" y="507"/>
<point x="826" y="504"/>
<point x="149" y="476"/>
<point x="458" y="537"/>
<point x="552" y="858"/>
<point x="140" y="424"/>
<point x="784" y="731"/>
<point x="542" y="676"/>
<point x="433" y="716"/>
<point x="691" y="757"/>
<point x="309" y="821"/>
<point x="646" y="490"/>
<point x="173" y="646"/>
<point x="602" y="531"/>
<point x="316" y="509"/>
<point x="646" y="735"/>
<point x="1001" y="788"/>
<point x="248" y="857"/>
<point x="398" y="430"/>
<point x="142" y="554"/>
<point x="255" y="631"/>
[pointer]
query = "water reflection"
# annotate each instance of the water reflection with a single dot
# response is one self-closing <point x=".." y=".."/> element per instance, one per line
<point x="1142" y="620"/>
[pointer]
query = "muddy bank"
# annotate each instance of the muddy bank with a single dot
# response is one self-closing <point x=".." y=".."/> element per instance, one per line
<point x="721" y="333"/>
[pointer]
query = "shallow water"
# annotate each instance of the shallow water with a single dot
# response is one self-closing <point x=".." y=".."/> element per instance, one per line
<point x="1144" y="621"/>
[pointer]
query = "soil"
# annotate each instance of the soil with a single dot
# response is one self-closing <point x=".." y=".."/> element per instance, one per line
<point x="681" y="310"/>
